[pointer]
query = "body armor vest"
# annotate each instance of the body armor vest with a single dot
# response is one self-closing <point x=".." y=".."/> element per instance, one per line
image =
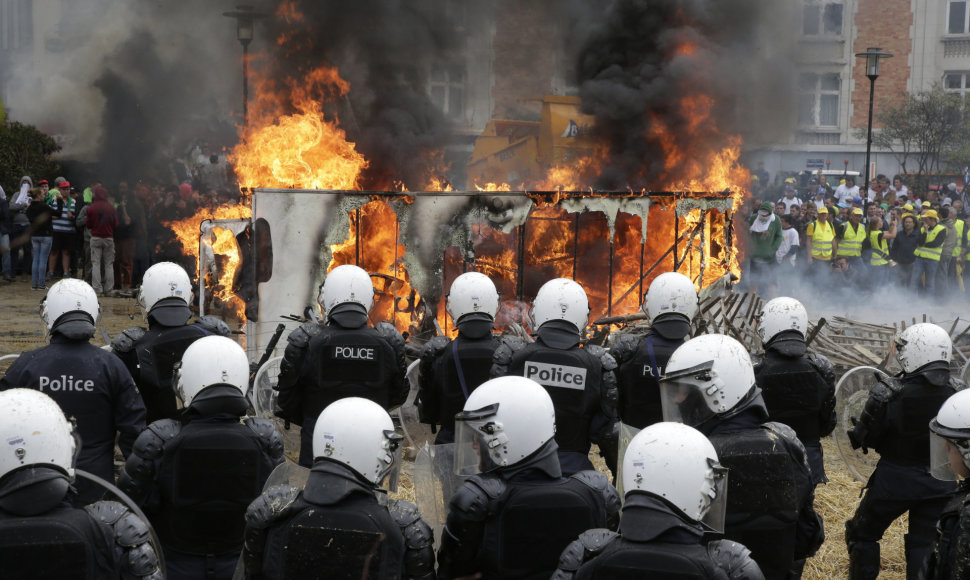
<point x="905" y="439"/>
<point x="534" y="522"/>
<point x="157" y="352"/>
<point x="638" y="380"/>
<point x="210" y="473"/>
<point x="626" y="560"/>
<point x="762" y="498"/>
<point x="793" y="392"/>
<point x="572" y="379"/>
<point x="347" y="363"/>
<point x="951" y="553"/>
<point x="475" y="358"/>
<point x="64" y="543"/>
<point x="353" y="540"/>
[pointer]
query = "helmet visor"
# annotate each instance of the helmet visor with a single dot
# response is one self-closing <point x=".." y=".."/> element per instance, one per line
<point x="475" y="433"/>
<point x="715" y="492"/>
<point x="682" y="395"/>
<point x="943" y="453"/>
<point x="393" y="447"/>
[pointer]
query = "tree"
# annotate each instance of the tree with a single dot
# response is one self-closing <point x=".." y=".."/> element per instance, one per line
<point x="24" y="150"/>
<point x="923" y="132"/>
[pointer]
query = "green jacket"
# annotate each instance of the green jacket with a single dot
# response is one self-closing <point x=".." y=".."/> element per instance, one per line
<point x="765" y="244"/>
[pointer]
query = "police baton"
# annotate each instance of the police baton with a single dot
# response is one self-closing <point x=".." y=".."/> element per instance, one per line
<point x="818" y="327"/>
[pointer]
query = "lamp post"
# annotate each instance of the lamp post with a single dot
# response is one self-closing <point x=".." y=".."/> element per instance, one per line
<point x="245" y="21"/>
<point x="872" y="56"/>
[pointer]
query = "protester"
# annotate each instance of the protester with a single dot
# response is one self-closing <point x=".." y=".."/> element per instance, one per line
<point x="765" y="236"/>
<point x="101" y="221"/>
<point x="41" y="218"/>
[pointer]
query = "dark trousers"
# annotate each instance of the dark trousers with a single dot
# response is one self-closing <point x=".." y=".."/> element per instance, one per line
<point x="21" y="256"/>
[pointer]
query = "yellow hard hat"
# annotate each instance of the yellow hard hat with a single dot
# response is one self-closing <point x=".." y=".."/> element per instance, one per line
<point x="931" y="213"/>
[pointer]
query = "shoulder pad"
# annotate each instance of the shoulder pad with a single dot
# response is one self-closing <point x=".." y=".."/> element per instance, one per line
<point x="781" y="430"/>
<point x="624" y="347"/>
<point x="509" y="346"/>
<point x="589" y="544"/>
<point x="734" y="559"/>
<point x="822" y="364"/>
<point x="301" y="337"/>
<point x="125" y="341"/>
<point x="595" y="540"/>
<point x="131" y="534"/>
<point x="605" y="358"/>
<point x="476" y="494"/>
<point x="417" y="533"/>
<point x="886" y="389"/>
<point x="272" y="505"/>
<point x="601" y="484"/>
<point x="150" y="444"/>
<point x="269" y="437"/>
<point x="390" y="334"/>
<point x="957" y="384"/>
<point x="435" y="346"/>
<point x="214" y="325"/>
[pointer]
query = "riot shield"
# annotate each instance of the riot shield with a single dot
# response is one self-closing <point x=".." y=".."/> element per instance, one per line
<point x="965" y="372"/>
<point x="435" y="481"/>
<point x="263" y="397"/>
<point x="416" y="433"/>
<point x="627" y="433"/>
<point x="851" y="394"/>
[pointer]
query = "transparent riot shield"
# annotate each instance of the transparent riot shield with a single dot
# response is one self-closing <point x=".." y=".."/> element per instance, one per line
<point x="264" y="402"/>
<point x="416" y="433"/>
<point x="851" y="394"/>
<point x="435" y="481"/>
<point x="627" y="433"/>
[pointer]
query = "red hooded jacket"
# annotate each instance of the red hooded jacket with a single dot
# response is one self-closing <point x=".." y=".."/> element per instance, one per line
<point x="102" y="217"/>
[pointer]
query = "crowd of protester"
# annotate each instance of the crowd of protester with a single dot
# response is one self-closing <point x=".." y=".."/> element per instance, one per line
<point x="107" y="234"/>
<point x="837" y="237"/>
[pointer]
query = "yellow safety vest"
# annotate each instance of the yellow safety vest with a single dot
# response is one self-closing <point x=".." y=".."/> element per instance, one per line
<point x="956" y="249"/>
<point x="851" y="243"/>
<point x="931" y="253"/>
<point x="880" y="250"/>
<point x="822" y="241"/>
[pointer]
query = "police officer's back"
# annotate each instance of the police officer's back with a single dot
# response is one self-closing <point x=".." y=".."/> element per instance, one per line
<point x="452" y="369"/>
<point x="670" y="303"/>
<point x="893" y="423"/>
<point x="675" y="495"/>
<point x="42" y="535"/>
<point x="340" y="525"/>
<point x="346" y="357"/>
<point x="950" y="461"/>
<point x="580" y="379"/>
<point x="197" y="474"/>
<point x="90" y="384"/>
<point x="710" y="385"/>
<point x="150" y="355"/>
<point x="798" y="388"/>
<point x="514" y="518"/>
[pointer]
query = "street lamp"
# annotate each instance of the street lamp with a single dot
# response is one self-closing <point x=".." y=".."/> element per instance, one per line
<point x="245" y="21"/>
<point x="872" y="56"/>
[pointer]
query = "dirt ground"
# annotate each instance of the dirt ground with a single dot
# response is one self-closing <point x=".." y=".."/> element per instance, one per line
<point x="22" y="329"/>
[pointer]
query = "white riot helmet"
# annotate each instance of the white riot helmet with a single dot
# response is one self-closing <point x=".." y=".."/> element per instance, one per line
<point x="67" y="297"/>
<point x="679" y="464"/>
<point x="561" y="299"/>
<point x="707" y="376"/>
<point x="922" y="344"/>
<point x="35" y="433"/>
<point x="504" y="421"/>
<point x="359" y="434"/>
<point x="212" y="361"/>
<point x="671" y="293"/>
<point x="471" y="293"/>
<point x="164" y="280"/>
<point x="346" y="284"/>
<point x="781" y="314"/>
<point x="950" y="438"/>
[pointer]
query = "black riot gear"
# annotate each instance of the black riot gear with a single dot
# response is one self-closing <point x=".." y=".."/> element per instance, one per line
<point x="335" y="527"/>
<point x="322" y="364"/>
<point x="641" y="363"/>
<point x="950" y="558"/>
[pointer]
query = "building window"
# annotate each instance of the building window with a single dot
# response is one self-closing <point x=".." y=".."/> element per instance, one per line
<point x="956" y="21"/>
<point x="818" y="100"/>
<point x="822" y="18"/>
<point x="448" y="81"/>
<point x="16" y="24"/>
<point x="957" y="83"/>
<point x="447" y="85"/>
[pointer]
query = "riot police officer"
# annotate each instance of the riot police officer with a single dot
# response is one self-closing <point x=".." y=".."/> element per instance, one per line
<point x="579" y="379"/>
<point x="41" y="534"/>
<point x="893" y="423"/>
<point x="710" y="385"/>
<point x="341" y="525"/>
<point x="345" y="357"/>
<point x="89" y="384"/>
<point x="150" y="355"/>
<point x="195" y="476"/>
<point x="452" y="369"/>
<point x="675" y="494"/>
<point x="515" y="518"/>
<point x="950" y="461"/>
<point x="671" y="304"/>
<point x="798" y="388"/>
